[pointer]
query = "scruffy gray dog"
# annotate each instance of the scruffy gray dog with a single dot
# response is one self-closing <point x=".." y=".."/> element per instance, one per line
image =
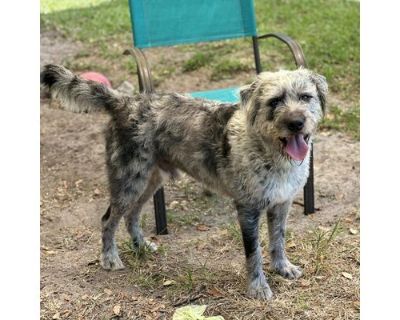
<point x="256" y="152"/>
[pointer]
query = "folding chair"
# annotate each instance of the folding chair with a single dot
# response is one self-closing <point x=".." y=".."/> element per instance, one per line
<point x="157" y="23"/>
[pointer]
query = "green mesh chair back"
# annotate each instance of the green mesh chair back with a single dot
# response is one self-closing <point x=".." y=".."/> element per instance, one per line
<point x="170" y="22"/>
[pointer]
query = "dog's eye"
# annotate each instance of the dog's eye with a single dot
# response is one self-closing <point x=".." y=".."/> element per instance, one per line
<point x="273" y="103"/>
<point x="305" y="97"/>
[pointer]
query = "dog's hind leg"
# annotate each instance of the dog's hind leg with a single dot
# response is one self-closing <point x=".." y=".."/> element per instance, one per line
<point x="127" y="186"/>
<point x="257" y="284"/>
<point x="277" y="217"/>
<point x="132" y="217"/>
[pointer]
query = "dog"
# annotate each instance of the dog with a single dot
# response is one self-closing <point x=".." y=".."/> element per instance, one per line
<point x="256" y="152"/>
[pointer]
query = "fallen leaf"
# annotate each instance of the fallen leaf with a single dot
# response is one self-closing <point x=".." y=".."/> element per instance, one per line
<point x="305" y="283"/>
<point x="347" y="275"/>
<point x="56" y="316"/>
<point x="193" y="312"/>
<point x="107" y="291"/>
<point x="117" y="310"/>
<point x="174" y="204"/>
<point x="214" y="292"/>
<point x="96" y="191"/>
<point x="168" y="283"/>
<point x="339" y="196"/>
<point x="353" y="231"/>
<point x="291" y="245"/>
<point x="78" y="182"/>
<point x="202" y="227"/>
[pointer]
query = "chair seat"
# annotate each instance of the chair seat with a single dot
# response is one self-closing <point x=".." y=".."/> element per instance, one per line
<point x="228" y="95"/>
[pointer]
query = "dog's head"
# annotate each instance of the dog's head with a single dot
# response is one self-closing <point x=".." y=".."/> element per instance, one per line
<point x="285" y="107"/>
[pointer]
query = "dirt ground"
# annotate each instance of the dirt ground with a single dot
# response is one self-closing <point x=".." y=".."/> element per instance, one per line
<point x="200" y="261"/>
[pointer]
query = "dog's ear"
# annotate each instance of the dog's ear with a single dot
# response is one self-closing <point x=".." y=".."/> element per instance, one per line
<point x="322" y="88"/>
<point x="247" y="91"/>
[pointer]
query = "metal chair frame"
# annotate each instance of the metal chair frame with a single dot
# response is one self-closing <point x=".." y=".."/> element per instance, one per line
<point x="146" y="86"/>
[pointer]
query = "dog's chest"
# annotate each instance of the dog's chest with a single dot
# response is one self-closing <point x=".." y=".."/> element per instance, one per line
<point x="280" y="185"/>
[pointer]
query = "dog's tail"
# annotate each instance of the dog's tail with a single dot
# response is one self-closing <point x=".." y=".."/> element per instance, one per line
<point x="77" y="94"/>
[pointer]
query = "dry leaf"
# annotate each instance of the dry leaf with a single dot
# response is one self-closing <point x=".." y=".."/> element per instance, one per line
<point x="305" y="283"/>
<point x="78" y="182"/>
<point x="96" y="191"/>
<point x="117" y="310"/>
<point x="168" y="283"/>
<point x="291" y="245"/>
<point x="214" y="292"/>
<point x="174" y="204"/>
<point x="202" y="227"/>
<point x="107" y="291"/>
<point x="353" y="231"/>
<point x="56" y="316"/>
<point x="347" y="275"/>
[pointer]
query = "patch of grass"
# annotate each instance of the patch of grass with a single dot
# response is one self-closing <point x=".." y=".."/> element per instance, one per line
<point x="182" y="218"/>
<point x="235" y="233"/>
<point x="227" y="68"/>
<point x="321" y="243"/>
<point x="197" y="61"/>
<point x="343" y="120"/>
<point x="140" y="254"/>
<point x="90" y="24"/>
<point x="314" y="24"/>
<point x="48" y="6"/>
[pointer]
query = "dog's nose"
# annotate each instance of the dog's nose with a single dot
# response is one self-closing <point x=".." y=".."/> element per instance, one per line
<point x="296" y="125"/>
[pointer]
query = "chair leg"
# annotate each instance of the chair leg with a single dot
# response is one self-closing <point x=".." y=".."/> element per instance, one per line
<point x="309" y="205"/>
<point x="160" y="212"/>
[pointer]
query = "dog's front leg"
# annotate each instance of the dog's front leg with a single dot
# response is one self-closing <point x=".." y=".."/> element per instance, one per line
<point x="277" y="217"/>
<point x="257" y="284"/>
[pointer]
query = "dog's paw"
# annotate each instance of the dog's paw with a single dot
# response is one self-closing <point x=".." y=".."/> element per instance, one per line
<point x="288" y="270"/>
<point x="111" y="261"/>
<point x="151" y="246"/>
<point x="259" y="289"/>
<point x="145" y="246"/>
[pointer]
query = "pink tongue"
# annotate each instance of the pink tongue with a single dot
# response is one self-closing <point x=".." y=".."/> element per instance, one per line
<point x="296" y="147"/>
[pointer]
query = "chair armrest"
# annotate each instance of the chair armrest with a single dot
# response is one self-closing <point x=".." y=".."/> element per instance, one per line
<point x="294" y="47"/>
<point x="145" y="82"/>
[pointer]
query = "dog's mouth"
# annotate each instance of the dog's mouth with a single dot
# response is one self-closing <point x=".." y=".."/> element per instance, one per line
<point x="296" y="146"/>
